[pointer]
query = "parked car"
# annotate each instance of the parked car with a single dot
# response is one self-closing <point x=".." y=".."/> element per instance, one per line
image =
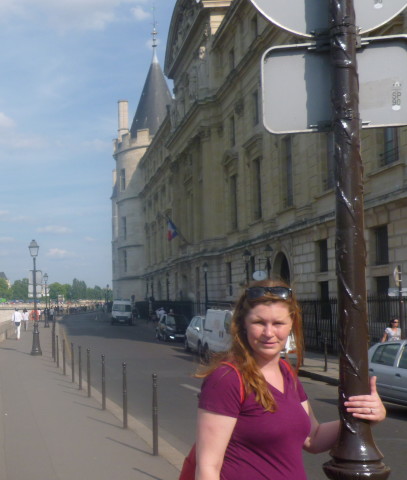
<point x="171" y="326"/>
<point x="194" y="334"/>
<point x="216" y="337"/>
<point x="388" y="361"/>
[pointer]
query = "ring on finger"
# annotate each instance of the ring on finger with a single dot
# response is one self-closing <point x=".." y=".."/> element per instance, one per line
<point x="371" y="411"/>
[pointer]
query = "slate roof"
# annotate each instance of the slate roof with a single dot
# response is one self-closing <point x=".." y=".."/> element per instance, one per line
<point x="152" y="107"/>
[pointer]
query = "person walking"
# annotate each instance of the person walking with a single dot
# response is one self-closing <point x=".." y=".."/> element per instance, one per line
<point x="254" y="417"/>
<point x="25" y="319"/>
<point x="17" y="318"/>
<point x="393" y="332"/>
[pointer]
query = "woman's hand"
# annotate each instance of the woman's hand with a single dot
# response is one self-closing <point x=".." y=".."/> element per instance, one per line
<point x="367" y="407"/>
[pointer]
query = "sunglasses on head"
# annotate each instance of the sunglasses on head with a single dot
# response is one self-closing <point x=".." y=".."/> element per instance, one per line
<point x="257" y="292"/>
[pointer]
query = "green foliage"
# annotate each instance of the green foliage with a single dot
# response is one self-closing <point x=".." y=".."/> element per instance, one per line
<point x="19" y="289"/>
<point x="4" y="290"/>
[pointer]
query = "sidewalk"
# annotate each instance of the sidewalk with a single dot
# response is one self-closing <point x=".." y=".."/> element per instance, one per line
<point x="314" y="367"/>
<point x="50" y="430"/>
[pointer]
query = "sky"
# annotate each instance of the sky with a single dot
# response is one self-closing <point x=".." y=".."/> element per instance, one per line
<point x="64" y="65"/>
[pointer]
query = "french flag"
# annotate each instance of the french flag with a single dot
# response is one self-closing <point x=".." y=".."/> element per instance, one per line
<point x="172" y="230"/>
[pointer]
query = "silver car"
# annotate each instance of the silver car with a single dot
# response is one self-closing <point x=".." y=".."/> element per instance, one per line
<point x="388" y="361"/>
<point x="194" y="333"/>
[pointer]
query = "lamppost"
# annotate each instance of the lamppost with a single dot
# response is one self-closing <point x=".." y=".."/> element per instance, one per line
<point x="205" y="269"/>
<point x="167" y="283"/>
<point x="107" y="294"/>
<point x="46" y="311"/>
<point x="247" y="255"/>
<point x="268" y="250"/>
<point x="36" y="349"/>
<point x="398" y="277"/>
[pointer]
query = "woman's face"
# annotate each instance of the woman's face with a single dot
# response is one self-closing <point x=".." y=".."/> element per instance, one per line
<point x="267" y="329"/>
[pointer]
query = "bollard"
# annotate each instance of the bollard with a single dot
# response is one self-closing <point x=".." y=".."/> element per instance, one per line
<point x="57" y="345"/>
<point x="63" y="357"/>
<point x="88" y="369"/>
<point x="326" y="354"/>
<point x="53" y="340"/>
<point x="124" y="395"/>
<point x="103" y="384"/>
<point x="155" y="416"/>
<point x="80" y="366"/>
<point x="72" y="363"/>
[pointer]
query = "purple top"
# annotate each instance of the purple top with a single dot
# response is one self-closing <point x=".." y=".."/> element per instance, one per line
<point x="263" y="445"/>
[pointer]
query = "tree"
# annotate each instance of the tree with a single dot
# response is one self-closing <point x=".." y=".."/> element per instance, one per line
<point x="4" y="289"/>
<point x="19" y="289"/>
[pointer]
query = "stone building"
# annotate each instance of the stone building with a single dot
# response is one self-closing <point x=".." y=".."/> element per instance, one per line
<point x="242" y="199"/>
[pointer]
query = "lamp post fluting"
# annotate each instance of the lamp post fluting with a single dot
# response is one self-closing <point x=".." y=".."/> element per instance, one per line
<point x="36" y="348"/>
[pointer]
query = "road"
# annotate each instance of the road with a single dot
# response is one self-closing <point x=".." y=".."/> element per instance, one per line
<point x="177" y="389"/>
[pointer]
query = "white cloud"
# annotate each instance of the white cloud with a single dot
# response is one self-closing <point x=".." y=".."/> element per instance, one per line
<point x="59" y="254"/>
<point x="5" y="121"/>
<point x="98" y="145"/>
<point x="6" y="239"/>
<point x="90" y="239"/>
<point x="54" y="229"/>
<point x="139" y="13"/>
<point x="3" y="213"/>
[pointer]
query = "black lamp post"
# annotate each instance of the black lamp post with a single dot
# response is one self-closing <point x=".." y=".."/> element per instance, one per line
<point x="107" y="294"/>
<point x="247" y="255"/>
<point x="205" y="269"/>
<point x="46" y="311"/>
<point x="268" y="250"/>
<point x="167" y="283"/>
<point x="36" y="349"/>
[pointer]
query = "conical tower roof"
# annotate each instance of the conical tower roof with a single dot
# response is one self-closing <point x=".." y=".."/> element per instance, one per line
<point x="152" y="107"/>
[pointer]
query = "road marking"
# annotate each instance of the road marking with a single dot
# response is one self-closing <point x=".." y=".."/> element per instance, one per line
<point x="190" y="387"/>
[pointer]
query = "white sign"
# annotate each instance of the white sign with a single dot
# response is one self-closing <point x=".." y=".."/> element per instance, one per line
<point x="305" y="17"/>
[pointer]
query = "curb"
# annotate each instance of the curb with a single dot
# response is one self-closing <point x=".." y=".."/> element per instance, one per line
<point x="319" y="377"/>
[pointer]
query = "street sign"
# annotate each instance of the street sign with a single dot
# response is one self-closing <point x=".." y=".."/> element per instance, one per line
<point x="296" y="85"/>
<point x="305" y="17"/>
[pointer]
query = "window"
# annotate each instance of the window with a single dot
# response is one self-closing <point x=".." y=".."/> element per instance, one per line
<point x="326" y="312"/>
<point x="256" y="187"/>
<point x="403" y="359"/>
<point x="382" y="247"/>
<point x="255" y="108"/>
<point x="122" y="180"/>
<point x="233" y="201"/>
<point x="125" y="261"/>
<point x="287" y="172"/>
<point x="232" y="132"/>
<point x="254" y="27"/>
<point x="124" y="227"/>
<point x="382" y="288"/>
<point x="386" y="354"/>
<point x="229" y="277"/>
<point x="231" y="57"/>
<point x="390" y="146"/>
<point x="323" y="255"/>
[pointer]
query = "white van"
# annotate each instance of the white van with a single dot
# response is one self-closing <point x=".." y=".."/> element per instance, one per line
<point x="122" y="312"/>
<point x="216" y="333"/>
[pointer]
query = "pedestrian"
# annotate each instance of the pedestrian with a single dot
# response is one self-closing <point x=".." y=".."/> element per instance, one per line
<point x="393" y="332"/>
<point x="51" y="314"/>
<point x="17" y="318"/>
<point x="25" y="319"/>
<point x="253" y="423"/>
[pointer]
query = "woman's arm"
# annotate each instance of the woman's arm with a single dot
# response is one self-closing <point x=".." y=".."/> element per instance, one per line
<point x="213" y="435"/>
<point x="323" y="435"/>
<point x="384" y="338"/>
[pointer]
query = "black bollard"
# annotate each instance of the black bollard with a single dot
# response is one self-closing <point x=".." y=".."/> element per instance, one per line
<point x="103" y="384"/>
<point x="57" y="352"/>
<point x="124" y="395"/>
<point x="155" y="416"/>
<point x="63" y="357"/>
<point x="53" y="340"/>
<point x="73" y="363"/>
<point x="88" y="369"/>
<point x="80" y="366"/>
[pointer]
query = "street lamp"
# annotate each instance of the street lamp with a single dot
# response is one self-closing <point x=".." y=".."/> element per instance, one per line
<point x="268" y="250"/>
<point x="107" y="294"/>
<point x="36" y="349"/>
<point x="167" y="282"/>
<point x="46" y="311"/>
<point x="247" y="255"/>
<point x="205" y="269"/>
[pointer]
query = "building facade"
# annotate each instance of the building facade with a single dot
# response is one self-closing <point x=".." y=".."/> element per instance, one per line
<point x="242" y="199"/>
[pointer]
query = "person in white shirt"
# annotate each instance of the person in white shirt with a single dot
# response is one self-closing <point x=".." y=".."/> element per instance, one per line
<point x="17" y="318"/>
<point x="25" y="319"/>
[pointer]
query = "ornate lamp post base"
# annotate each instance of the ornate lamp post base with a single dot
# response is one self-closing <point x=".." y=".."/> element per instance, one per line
<point x="343" y="470"/>
<point x="36" y="349"/>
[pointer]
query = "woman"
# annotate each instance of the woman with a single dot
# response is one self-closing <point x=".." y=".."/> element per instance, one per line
<point x="262" y="436"/>
<point x="392" y="332"/>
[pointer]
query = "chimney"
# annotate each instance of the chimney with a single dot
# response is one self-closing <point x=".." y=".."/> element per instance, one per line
<point x="123" y="118"/>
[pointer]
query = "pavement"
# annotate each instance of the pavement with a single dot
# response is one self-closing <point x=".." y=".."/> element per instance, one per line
<point x="51" y="430"/>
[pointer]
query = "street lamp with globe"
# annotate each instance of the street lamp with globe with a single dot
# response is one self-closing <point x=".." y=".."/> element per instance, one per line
<point x="36" y="349"/>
